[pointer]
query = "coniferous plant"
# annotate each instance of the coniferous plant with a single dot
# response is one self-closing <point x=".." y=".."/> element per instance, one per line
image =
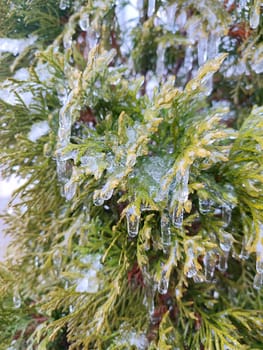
<point x="137" y="128"/>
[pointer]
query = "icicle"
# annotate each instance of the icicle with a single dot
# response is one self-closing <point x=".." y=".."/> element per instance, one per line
<point x="255" y="15"/>
<point x="84" y="22"/>
<point x="226" y="241"/>
<point x="190" y="265"/>
<point x="163" y="283"/>
<point x="64" y="4"/>
<point x="202" y="50"/>
<point x="223" y="264"/>
<point x="188" y="59"/>
<point x="178" y="217"/>
<point x="160" y="63"/>
<point x="151" y="8"/>
<point x="170" y="17"/>
<point x="258" y="281"/>
<point x="213" y="45"/>
<point x="133" y="221"/>
<point x="206" y="206"/>
<point x="17" y="300"/>
<point x="226" y="215"/>
<point x="210" y="261"/>
<point x="244" y="254"/>
<point x="165" y="231"/>
<point x="179" y="195"/>
<point x="259" y="251"/>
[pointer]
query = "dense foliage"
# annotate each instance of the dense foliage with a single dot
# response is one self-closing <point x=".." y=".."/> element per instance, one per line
<point x="137" y="128"/>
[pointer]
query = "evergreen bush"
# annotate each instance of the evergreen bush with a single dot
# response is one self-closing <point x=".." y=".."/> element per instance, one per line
<point x="137" y="127"/>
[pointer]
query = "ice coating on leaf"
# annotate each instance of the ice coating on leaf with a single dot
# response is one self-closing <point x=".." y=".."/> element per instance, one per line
<point x="97" y="199"/>
<point x="38" y="130"/>
<point x="133" y="221"/>
<point x="16" y="46"/>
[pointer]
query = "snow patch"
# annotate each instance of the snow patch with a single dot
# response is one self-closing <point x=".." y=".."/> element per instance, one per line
<point x="38" y="130"/>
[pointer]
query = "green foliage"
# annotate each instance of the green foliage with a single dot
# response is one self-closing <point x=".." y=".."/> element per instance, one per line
<point x="140" y="221"/>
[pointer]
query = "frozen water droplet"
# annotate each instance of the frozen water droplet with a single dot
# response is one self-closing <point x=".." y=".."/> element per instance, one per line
<point x="223" y="264"/>
<point x="226" y="241"/>
<point x="97" y="200"/>
<point x="210" y="261"/>
<point x="17" y="300"/>
<point x="64" y="4"/>
<point x="57" y="258"/>
<point x="133" y="221"/>
<point x="255" y="15"/>
<point x="106" y="193"/>
<point x="84" y="22"/>
<point x="151" y="7"/>
<point x="178" y="217"/>
<point x="71" y="309"/>
<point x="36" y="261"/>
<point x="165" y="231"/>
<point x="206" y="206"/>
<point x="258" y="281"/>
<point x="163" y="283"/>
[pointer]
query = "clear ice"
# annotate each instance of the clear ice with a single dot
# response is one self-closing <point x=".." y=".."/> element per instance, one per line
<point x="163" y="283"/>
<point x="210" y="261"/>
